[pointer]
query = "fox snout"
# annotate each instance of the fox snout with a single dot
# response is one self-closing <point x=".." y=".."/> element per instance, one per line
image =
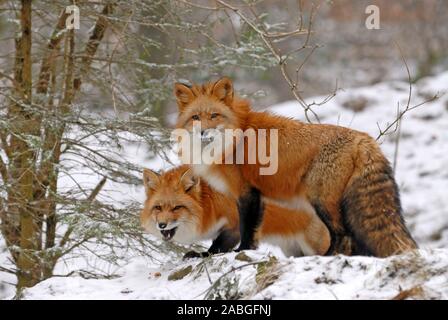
<point x="167" y="229"/>
<point x="166" y="225"/>
<point x="209" y="135"/>
<point x="161" y="225"/>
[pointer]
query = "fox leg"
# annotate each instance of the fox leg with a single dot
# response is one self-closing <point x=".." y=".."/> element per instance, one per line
<point x="224" y="242"/>
<point x="341" y="242"/>
<point x="194" y="254"/>
<point x="317" y="238"/>
<point x="250" y="209"/>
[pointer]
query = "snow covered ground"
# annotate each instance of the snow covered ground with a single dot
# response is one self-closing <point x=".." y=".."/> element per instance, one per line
<point x="421" y="172"/>
<point x="423" y="275"/>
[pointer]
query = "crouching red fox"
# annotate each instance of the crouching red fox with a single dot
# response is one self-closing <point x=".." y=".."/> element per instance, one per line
<point x="183" y="208"/>
<point x="340" y="173"/>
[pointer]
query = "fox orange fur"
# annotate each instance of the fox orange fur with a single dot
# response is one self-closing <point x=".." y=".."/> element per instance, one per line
<point x="339" y="172"/>
<point x="184" y="208"/>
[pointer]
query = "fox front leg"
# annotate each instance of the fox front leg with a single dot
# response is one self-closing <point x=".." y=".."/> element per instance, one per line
<point x="250" y="208"/>
<point x="194" y="254"/>
<point x="226" y="241"/>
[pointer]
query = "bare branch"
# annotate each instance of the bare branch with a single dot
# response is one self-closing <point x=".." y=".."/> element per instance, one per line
<point x="3" y="171"/>
<point x="395" y="124"/>
<point x="3" y="269"/>
<point x="10" y="78"/>
<point x="232" y="269"/>
<point x="112" y="80"/>
<point x="92" y="44"/>
<point x="281" y="59"/>
<point x="90" y="199"/>
<point x="4" y="144"/>
<point x="50" y="54"/>
<point x="97" y="189"/>
<point x="198" y="6"/>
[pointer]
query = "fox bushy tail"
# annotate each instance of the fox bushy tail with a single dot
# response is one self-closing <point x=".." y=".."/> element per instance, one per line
<point x="371" y="205"/>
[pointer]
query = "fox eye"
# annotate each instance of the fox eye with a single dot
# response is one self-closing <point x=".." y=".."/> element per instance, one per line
<point x="195" y="117"/>
<point x="177" y="208"/>
<point x="214" y="115"/>
<point x="158" y="208"/>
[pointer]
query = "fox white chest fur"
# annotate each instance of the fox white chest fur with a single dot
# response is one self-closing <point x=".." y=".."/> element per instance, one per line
<point x="213" y="178"/>
<point x="214" y="230"/>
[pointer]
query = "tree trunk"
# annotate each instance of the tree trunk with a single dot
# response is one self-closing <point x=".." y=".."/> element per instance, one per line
<point x="32" y="184"/>
<point x="22" y="162"/>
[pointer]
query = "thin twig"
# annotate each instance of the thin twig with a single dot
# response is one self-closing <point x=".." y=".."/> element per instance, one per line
<point x="232" y="269"/>
<point x="396" y="122"/>
<point x="267" y="38"/>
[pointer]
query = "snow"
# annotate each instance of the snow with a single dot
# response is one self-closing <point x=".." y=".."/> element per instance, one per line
<point x="337" y="277"/>
<point x="421" y="173"/>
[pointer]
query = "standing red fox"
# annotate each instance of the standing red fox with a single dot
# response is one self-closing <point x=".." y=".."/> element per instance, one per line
<point x="340" y="172"/>
<point x="181" y="207"/>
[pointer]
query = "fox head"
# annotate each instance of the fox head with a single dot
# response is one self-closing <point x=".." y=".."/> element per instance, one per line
<point x="213" y="105"/>
<point x="214" y="110"/>
<point x="172" y="208"/>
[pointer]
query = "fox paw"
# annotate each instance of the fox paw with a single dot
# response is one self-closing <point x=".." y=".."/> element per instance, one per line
<point x="246" y="247"/>
<point x="194" y="254"/>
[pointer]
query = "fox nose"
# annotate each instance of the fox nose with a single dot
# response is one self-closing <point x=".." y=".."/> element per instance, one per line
<point x="162" y="225"/>
<point x="202" y="132"/>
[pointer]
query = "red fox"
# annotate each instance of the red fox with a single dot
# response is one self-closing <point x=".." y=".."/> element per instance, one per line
<point x="182" y="207"/>
<point x="340" y="172"/>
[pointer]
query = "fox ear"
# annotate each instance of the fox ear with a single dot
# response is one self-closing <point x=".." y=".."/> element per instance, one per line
<point x="223" y="90"/>
<point x="190" y="182"/>
<point x="183" y="94"/>
<point x="150" y="179"/>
